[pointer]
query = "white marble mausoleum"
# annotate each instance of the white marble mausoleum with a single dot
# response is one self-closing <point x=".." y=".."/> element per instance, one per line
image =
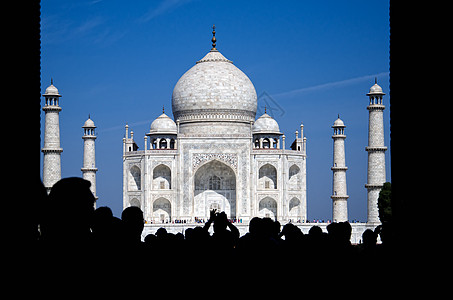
<point x="215" y="153"/>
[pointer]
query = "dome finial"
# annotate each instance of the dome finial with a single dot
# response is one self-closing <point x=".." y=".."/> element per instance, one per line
<point x="51" y="81"/>
<point x="163" y="109"/>
<point x="375" y="80"/>
<point x="213" y="40"/>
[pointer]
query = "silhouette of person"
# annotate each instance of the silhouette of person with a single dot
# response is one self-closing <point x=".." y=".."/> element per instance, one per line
<point x="368" y="249"/>
<point x="222" y="239"/>
<point x="68" y="212"/>
<point x="65" y="242"/>
<point x="257" y="245"/>
<point x="102" y="227"/>
<point x="133" y="224"/>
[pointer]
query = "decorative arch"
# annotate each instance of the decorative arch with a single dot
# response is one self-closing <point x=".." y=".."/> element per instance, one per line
<point x="163" y="144"/>
<point x="161" y="210"/>
<point x="214" y="187"/>
<point x="294" y="207"/>
<point x="267" y="208"/>
<point x="294" y="177"/>
<point x="135" y="179"/>
<point x="161" y="177"/>
<point x="267" y="177"/>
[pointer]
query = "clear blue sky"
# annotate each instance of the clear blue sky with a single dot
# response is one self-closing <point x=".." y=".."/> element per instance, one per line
<point x="119" y="61"/>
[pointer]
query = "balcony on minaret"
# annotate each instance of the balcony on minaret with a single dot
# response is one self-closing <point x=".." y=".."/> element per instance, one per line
<point x="52" y="97"/>
<point x="376" y="95"/>
<point x="89" y="129"/>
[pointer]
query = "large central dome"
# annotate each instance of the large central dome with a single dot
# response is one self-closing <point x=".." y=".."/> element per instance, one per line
<point x="214" y="90"/>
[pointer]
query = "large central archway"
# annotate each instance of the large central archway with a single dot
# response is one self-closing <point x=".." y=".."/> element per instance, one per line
<point x="215" y="188"/>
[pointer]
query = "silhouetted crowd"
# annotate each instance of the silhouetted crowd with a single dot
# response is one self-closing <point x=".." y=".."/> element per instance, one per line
<point x="66" y="228"/>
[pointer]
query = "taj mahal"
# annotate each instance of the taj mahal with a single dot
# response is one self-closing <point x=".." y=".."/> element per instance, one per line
<point x="217" y="153"/>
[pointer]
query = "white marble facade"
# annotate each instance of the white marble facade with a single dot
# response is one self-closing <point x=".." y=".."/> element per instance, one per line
<point x="215" y="155"/>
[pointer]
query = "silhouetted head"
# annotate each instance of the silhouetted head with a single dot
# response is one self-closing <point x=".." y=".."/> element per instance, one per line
<point x="332" y="229"/>
<point x="133" y="222"/>
<point x="102" y="220"/>
<point x="254" y="225"/>
<point x="292" y="232"/>
<point x="150" y="239"/>
<point x="268" y="226"/>
<point x="346" y="230"/>
<point x="199" y="235"/>
<point x="161" y="233"/>
<point x="369" y="238"/>
<point x="340" y="233"/>
<point x="68" y="210"/>
<point x="315" y="231"/>
<point x="188" y="234"/>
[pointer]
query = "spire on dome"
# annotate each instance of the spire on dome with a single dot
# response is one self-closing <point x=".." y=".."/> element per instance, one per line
<point x="213" y="40"/>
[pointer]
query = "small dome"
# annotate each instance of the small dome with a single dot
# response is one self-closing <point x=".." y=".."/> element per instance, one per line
<point x="375" y="90"/>
<point x="338" y="123"/>
<point x="52" y="91"/>
<point x="265" y="124"/>
<point x="163" y="125"/>
<point x="89" y="124"/>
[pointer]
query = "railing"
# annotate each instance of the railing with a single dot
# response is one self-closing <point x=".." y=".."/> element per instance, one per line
<point x="151" y="151"/>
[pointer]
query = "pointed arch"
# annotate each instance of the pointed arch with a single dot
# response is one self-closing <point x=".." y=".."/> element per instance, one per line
<point x="214" y="187"/>
<point x="267" y="208"/>
<point x="161" y="177"/>
<point x="294" y="177"/>
<point x="267" y="177"/>
<point x="161" y="210"/>
<point x="294" y="207"/>
<point x="135" y="179"/>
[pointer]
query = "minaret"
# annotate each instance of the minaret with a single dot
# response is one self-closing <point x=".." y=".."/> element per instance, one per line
<point x="339" y="191"/>
<point x="51" y="172"/>
<point x="376" y="152"/>
<point x="89" y="160"/>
